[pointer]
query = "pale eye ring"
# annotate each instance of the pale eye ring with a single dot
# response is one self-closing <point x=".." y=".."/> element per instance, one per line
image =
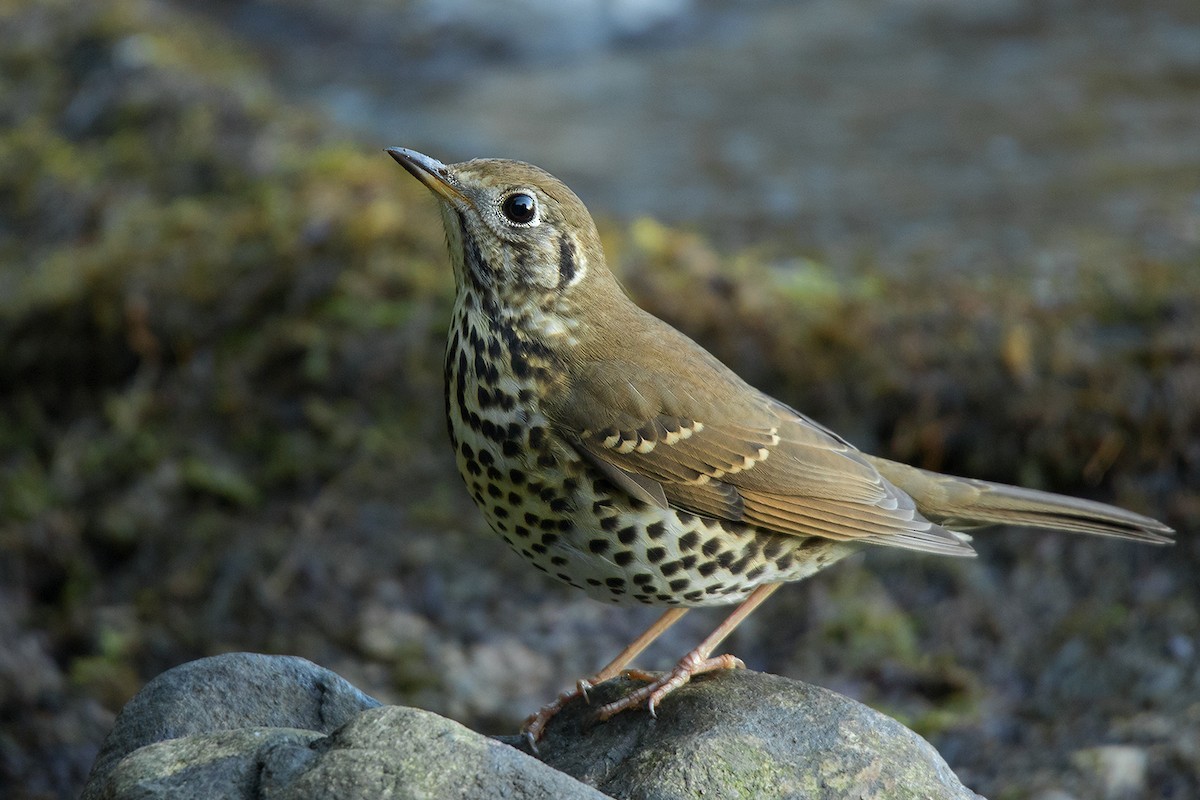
<point x="519" y="208"/>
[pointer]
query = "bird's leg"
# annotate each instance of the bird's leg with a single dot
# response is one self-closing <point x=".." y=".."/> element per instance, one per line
<point x="535" y="724"/>
<point x="696" y="662"/>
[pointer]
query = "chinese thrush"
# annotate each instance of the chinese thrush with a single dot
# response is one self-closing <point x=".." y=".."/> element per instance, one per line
<point x="619" y="456"/>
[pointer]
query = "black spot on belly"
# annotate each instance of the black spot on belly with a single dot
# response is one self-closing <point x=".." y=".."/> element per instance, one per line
<point x="537" y="437"/>
<point x="689" y="540"/>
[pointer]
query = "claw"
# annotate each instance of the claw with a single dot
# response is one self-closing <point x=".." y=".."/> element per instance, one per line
<point x="657" y="686"/>
<point x="662" y="684"/>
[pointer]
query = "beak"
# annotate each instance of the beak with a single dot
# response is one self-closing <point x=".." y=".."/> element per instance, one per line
<point x="436" y="176"/>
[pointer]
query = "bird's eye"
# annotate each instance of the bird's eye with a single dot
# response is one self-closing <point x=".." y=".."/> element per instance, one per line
<point x="519" y="207"/>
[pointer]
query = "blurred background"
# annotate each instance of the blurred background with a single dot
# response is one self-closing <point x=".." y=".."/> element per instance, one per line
<point x="965" y="235"/>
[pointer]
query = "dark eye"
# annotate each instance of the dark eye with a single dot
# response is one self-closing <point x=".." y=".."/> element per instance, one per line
<point x="519" y="207"/>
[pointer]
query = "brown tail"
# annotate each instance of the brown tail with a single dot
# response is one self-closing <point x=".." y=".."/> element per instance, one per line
<point x="966" y="503"/>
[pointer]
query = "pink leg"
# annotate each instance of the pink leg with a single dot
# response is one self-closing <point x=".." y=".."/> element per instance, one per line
<point x="535" y="725"/>
<point x="696" y="662"/>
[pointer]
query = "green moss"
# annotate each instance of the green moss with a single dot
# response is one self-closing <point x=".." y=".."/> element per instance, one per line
<point x="222" y="481"/>
<point x="27" y="490"/>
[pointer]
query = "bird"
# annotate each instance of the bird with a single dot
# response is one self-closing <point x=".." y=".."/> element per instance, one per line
<point x="622" y="458"/>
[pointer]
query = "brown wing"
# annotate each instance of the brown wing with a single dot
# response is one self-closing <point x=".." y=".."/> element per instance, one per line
<point x="710" y="444"/>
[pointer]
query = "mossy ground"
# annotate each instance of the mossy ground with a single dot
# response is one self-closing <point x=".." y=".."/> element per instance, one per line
<point x="221" y="325"/>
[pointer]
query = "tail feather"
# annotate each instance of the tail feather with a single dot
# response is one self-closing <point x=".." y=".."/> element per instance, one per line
<point x="964" y="503"/>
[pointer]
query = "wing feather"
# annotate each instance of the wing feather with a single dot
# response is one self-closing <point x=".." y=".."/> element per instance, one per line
<point x="751" y="460"/>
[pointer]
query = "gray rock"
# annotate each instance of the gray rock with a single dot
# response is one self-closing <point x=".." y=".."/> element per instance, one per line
<point x="280" y="728"/>
<point x="406" y="752"/>
<point x="222" y="764"/>
<point x="388" y="752"/>
<point x="226" y="693"/>
<point x="746" y="734"/>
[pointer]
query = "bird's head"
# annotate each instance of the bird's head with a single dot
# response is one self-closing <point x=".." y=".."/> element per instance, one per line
<point x="520" y="241"/>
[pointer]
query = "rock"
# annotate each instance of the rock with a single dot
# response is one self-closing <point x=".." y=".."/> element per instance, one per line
<point x="225" y="693"/>
<point x="406" y="752"/>
<point x="249" y="726"/>
<point x="746" y="734"/>
<point x="221" y="764"/>
<point x="242" y="726"/>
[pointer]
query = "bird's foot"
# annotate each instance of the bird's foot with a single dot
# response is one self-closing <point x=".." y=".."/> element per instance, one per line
<point x="662" y="684"/>
<point x="535" y="724"/>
